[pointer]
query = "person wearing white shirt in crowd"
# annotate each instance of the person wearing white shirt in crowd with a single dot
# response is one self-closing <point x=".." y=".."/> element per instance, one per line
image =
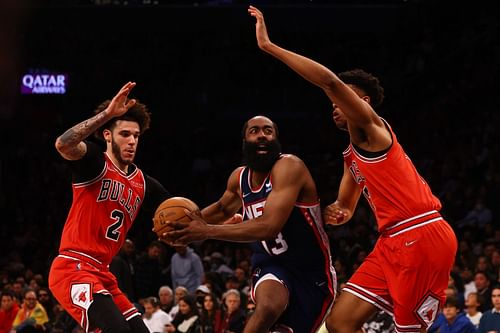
<point x="154" y="318"/>
<point x="471" y="308"/>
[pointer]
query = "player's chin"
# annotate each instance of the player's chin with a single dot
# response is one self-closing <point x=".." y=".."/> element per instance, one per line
<point x="127" y="159"/>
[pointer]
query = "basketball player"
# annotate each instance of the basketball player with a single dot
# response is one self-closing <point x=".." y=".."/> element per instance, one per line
<point x="408" y="270"/>
<point x="293" y="279"/>
<point x="108" y="191"/>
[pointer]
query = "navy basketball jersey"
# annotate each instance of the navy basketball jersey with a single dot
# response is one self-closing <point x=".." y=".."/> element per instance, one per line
<point x="301" y="244"/>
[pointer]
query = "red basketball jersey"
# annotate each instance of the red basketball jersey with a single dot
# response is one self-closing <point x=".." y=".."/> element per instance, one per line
<point x="102" y="212"/>
<point x="391" y="184"/>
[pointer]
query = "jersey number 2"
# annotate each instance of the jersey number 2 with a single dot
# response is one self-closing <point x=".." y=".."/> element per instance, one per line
<point x="112" y="231"/>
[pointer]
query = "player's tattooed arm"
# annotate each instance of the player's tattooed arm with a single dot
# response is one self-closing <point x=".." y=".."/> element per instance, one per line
<point x="70" y="144"/>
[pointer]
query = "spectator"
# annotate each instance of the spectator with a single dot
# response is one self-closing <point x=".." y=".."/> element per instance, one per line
<point x="490" y="321"/>
<point x="211" y="314"/>
<point x="218" y="265"/>
<point x="179" y="293"/>
<point x="32" y="316"/>
<point x="187" y="319"/>
<point x="166" y="296"/>
<point x="232" y="282"/>
<point x="482" y="282"/>
<point x="200" y="294"/>
<point x="186" y="269"/>
<point x="18" y="288"/>
<point x="234" y="316"/>
<point x="63" y="322"/>
<point x="472" y="305"/>
<point x="46" y="300"/>
<point x="122" y="267"/>
<point x="155" y="318"/>
<point x="8" y="311"/>
<point x="456" y="321"/>
<point x="147" y="271"/>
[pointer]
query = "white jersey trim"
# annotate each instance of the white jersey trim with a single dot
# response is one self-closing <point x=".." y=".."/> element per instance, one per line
<point x="411" y="219"/>
<point x="119" y="170"/>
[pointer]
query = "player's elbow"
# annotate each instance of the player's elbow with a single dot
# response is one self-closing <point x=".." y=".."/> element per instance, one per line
<point x="60" y="146"/>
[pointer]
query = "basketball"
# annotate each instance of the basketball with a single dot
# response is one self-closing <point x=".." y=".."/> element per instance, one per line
<point x="172" y="209"/>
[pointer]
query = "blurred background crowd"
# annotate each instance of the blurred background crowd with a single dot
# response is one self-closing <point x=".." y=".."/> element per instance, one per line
<point x="201" y="74"/>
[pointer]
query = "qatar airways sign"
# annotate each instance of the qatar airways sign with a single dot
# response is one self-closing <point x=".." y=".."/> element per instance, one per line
<point x="44" y="83"/>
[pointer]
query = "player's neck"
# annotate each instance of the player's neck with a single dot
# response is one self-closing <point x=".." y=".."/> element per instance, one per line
<point x="120" y="165"/>
<point x="258" y="177"/>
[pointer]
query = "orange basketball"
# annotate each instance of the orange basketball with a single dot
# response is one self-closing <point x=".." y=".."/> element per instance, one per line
<point x="172" y="209"/>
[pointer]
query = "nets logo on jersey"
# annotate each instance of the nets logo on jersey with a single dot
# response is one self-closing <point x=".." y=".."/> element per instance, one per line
<point x="114" y="190"/>
<point x="254" y="210"/>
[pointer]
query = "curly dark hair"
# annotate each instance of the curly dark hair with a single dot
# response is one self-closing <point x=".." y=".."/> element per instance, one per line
<point x="367" y="82"/>
<point x="138" y="113"/>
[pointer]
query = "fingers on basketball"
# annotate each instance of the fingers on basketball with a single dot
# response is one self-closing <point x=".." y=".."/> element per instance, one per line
<point x="172" y="209"/>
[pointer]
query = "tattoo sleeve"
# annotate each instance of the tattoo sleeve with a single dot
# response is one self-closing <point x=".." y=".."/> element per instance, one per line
<point x="70" y="144"/>
<point x="79" y="132"/>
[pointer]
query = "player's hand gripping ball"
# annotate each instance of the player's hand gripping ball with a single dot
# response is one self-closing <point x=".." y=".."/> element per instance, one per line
<point x="172" y="209"/>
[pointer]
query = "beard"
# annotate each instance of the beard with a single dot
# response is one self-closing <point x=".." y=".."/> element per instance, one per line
<point x="261" y="162"/>
<point x="117" y="153"/>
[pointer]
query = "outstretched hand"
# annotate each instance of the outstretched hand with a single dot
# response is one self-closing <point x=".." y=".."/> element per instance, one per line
<point x="335" y="215"/>
<point x="184" y="233"/>
<point x="120" y="104"/>
<point x="260" y="28"/>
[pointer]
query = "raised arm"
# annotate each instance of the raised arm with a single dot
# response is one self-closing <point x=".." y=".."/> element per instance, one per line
<point x="357" y="111"/>
<point x="343" y="208"/>
<point x="289" y="176"/>
<point x="70" y="144"/>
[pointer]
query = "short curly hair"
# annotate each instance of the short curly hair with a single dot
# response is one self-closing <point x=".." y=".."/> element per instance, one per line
<point x="138" y="113"/>
<point x="367" y="82"/>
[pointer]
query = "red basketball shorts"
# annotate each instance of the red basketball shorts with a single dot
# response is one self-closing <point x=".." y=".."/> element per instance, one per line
<point x="73" y="283"/>
<point x="406" y="274"/>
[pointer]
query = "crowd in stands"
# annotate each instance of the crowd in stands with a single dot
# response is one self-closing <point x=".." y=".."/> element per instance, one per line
<point x="441" y="81"/>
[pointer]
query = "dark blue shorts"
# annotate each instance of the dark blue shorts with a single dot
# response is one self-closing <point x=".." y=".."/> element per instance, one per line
<point x="311" y="295"/>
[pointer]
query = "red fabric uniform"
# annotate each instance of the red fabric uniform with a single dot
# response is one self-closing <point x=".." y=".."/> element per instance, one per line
<point x="408" y="270"/>
<point x="101" y="214"/>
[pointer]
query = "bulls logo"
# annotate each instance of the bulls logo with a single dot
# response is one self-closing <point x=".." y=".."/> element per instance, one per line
<point x="356" y="173"/>
<point x="81" y="295"/>
<point x="428" y="309"/>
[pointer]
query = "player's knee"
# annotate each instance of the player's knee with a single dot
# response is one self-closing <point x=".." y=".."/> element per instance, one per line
<point x="104" y="314"/>
<point x="269" y="310"/>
